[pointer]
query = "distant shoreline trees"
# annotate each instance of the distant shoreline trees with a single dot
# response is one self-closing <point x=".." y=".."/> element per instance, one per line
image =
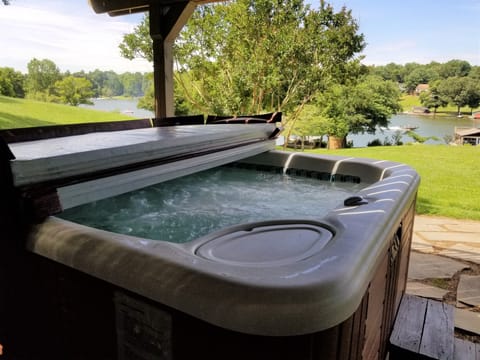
<point x="45" y="82"/>
<point x="455" y="82"/>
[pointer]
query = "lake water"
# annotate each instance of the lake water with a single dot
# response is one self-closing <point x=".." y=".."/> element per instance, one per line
<point x="128" y="107"/>
<point x="427" y="125"/>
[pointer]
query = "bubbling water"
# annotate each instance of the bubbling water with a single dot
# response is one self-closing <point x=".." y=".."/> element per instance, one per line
<point x="186" y="208"/>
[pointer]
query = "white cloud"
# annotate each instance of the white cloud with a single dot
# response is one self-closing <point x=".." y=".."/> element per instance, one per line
<point x="73" y="41"/>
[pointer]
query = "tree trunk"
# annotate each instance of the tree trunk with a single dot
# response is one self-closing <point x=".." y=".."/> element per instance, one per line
<point x="335" y="142"/>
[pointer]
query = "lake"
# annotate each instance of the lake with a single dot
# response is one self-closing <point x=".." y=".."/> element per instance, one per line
<point x="126" y="106"/>
<point x="427" y="124"/>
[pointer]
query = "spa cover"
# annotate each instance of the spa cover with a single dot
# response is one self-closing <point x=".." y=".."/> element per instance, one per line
<point x="66" y="157"/>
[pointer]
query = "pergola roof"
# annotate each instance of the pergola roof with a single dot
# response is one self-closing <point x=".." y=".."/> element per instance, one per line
<point x="123" y="7"/>
<point x="167" y="18"/>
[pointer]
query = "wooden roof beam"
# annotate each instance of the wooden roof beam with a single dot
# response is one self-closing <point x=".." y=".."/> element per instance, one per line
<point x="166" y="21"/>
<point x="167" y="17"/>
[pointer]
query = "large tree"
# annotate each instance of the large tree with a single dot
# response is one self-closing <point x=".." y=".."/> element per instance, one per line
<point x="41" y="78"/>
<point x="250" y="56"/>
<point x="74" y="90"/>
<point x="132" y="84"/>
<point x="357" y="108"/>
<point x="460" y="91"/>
<point x="455" y="68"/>
<point x="11" y="82"/>
<point x="432" y="98"/>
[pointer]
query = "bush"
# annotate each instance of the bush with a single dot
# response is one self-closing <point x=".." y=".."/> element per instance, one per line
<point x="375" y="142"/>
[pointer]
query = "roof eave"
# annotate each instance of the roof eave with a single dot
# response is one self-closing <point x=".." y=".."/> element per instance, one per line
<point x="125" y="7"/>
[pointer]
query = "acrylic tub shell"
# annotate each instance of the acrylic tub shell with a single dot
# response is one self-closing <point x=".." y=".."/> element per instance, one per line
<point x="309" y="286"/>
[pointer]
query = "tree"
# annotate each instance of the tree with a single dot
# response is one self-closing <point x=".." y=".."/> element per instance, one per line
<point x="421" y="75"/>
<point x="309" y="123"/>
<point x="112" y="86"/>
<point x="74" y="91"/>
<point x="97" y="78"/>
<point x="390" y="71"/>
<point x="357" y="108"/>
<point x="474" y="73"/>
<point x="41" y="78"/>
<point x="455" y="68"/>
<point x="182" y="107"/>
<point x="132" y="84"/>
<point x="250" y="56"/>
<point x="460" y="91"/>
<point x="431" y="99"/>
<point x="138" y="44"/>
<point x="147" y="102"/>
<point x="11" y="83"/>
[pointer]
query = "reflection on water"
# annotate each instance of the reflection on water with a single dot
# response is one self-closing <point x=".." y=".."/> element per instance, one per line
<point x="426" y="125"/>
<point x="125" y="106"/>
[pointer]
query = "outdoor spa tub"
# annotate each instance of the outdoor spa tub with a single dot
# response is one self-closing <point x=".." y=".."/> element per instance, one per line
<point x="320" y="284"/>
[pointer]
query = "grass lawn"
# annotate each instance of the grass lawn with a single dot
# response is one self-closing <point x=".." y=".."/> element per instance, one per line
<point x="16" y="113"/>
<point x="409" y="101"/>
<point x="450" y="175"/>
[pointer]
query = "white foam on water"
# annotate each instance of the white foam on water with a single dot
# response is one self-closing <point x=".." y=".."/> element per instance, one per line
<point x="186" y="208"/>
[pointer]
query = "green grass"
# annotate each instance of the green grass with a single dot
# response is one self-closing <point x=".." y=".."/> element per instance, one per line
<point x="16" y="113"/>
<point x="409" y="101"/>
<point x="450" y="175"/>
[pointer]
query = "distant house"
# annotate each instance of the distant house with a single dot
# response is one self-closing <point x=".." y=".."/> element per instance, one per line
<point x="467" y="136"/>
<point x="421" y="88"/>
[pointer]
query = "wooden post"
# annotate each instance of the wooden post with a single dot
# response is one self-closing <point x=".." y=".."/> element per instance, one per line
<point x="166" y="21"/>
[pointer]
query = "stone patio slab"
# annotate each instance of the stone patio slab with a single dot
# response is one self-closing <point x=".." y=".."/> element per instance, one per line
<point x="426" y="291"/>
<point x="428" y="227"/>
<point x="467" y="320"/>
<point x="451" y="236"/>
<point x="454" y="238"/>
<point x="462" y="252"/>
<point x="465" y="227"/>
<point x="425" y="266"/>
<point x="421" y="245"/>
<point x="468" y="290"/>
<point x="443" y="221"/>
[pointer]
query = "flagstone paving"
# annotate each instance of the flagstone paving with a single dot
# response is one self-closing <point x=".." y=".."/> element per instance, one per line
<point x="428" y="266"/>
<point x="425" y="290"/>
<point x="467" y="320"/>
<point x="448" y="250"/>
<point x="468" y="290"/>
<point x="458" y="239"/>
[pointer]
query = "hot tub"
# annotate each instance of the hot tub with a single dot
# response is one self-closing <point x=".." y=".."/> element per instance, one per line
<point x="292" y="288"/>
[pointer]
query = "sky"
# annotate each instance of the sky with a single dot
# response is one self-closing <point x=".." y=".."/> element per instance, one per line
<point x="70" y="34"/>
